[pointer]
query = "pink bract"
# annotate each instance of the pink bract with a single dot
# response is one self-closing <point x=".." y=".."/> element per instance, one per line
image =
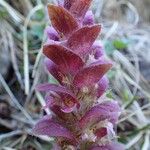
<point x="81" y="40"/>
<point x="67" y="61"/>
<point x="91" y="74"/>
<point x="62" y="20"/>
<point x="107" y="110"/>
<point x="48" y="126"/>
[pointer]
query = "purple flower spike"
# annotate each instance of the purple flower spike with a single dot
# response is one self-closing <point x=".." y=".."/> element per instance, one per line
<point x="89" y="18"/>
<point x="82" y="115"/>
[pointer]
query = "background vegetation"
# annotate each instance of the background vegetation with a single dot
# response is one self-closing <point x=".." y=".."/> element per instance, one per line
<point x="126" y="38"/>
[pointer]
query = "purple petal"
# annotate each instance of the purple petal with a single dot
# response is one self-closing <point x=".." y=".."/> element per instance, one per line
<point x="49" y="42"/>
<point x="89" y="18"/>
<point x="56" y="147"/>
<point x="62" y="115"/>
<point x="53" y="70"/>
<point x="97" y="50"/>
<point x="55" y="88"/>
<point x="57" y="110"/>
<point x="68" y="3"/>
<point x="108" y="110"/>
<point x="70" y="100"/>
<point x="81" y="40"/>
<point x="101" y="132"/>
<point x="49" y="101"/>
<point x="80" y="7"/>
<point x="66" y="95"/>
<point x="52" y="33"/>
<point x="60" y="2"/>
<point x="67" y="61"/>
<point x="62" y="20"/>
<point x="102" y="86"/>
<point x="48" y="126"/>
<point x="111" y="146"/>
<point x="69" y="109"/>
<point x="90" y="75"/>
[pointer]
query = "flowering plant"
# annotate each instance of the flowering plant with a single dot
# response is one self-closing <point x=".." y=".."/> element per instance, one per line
<point x="82" y="118"/>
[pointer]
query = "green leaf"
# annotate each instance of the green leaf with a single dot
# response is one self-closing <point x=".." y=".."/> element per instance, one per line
<point x="51" y="79"/>
<point x="39" y="15"/>
<point x="125" y="95"/>
<point x="109" y="94"/>
<point x="3" y="13"/>
<point x="119" y="44"/>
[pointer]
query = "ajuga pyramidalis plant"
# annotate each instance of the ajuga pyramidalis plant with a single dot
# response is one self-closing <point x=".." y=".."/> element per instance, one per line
<point x="82" y="117"/>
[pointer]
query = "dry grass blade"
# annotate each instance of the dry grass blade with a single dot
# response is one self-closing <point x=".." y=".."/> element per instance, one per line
<point x="14" y="60"/>
<point x="14" y="100"/>
<point x="111" y="31"/>
<point x="14" y="14"/>
<point x="25" y="48"/>
<point x="133" y="141"/>
<point x="134" y="113"/>
<point x="146" y="144"/>
<point x="8" y="148"/>
<point x="42" y="102"/>
<point x="38" y="57"/>
<point x="132" y="8"/>
<point x="10" y="134"/>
